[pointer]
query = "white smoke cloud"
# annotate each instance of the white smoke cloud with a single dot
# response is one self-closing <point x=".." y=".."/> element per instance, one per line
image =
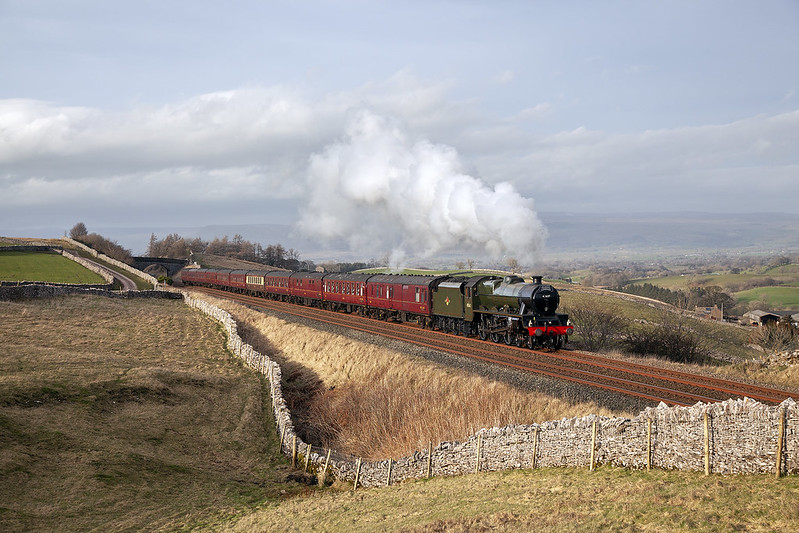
<point x="382" y="192"/>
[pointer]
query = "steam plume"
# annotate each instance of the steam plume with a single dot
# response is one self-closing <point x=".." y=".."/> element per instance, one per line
<point x="382" y="192"/>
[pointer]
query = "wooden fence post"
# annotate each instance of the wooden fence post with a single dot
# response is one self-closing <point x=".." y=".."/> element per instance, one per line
<point x="307" y="457"/>
<point x="294" y="452"/>
<point x="357" y="474"/>
<point x="593" y="448"/>
<point x="649" y="444"/>
<point x="780" y="437"/>
<point x="388" y="477"/>
<point x="535" y="445"/>
<point x="707" y="444"/>
<point x="479" y="446"/>
<point x="430" y="460"/>
<point x="324" y="470"/>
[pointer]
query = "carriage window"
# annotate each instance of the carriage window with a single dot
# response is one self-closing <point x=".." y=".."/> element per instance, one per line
<point x="418" y="295"/>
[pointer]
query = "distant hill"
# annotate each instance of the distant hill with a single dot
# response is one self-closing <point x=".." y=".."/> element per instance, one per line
<point x="668" y="233"/>
<point x="593" y="234"/>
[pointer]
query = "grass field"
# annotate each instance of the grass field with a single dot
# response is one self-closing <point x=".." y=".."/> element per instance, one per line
<point x="776" y="287"/>
<point x="549" y="500"/>
<point x="127" y="415"/>
<point x="44" y="266"/>
<point x="120" y="415"/>
<point x="784" y="297"/>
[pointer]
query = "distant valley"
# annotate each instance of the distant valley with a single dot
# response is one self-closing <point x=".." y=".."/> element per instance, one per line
<point x="570" y="234"/>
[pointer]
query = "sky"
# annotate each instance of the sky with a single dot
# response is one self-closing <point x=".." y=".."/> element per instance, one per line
<point x="413" y="127"/>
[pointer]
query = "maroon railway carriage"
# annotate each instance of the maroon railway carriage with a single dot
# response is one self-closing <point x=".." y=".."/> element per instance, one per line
<point x="194" y="276"/>
<point x="346" y="291"/>
<point x="400" y="296"/>
<point x="306" y="287"/>
<point x="277" y="284"/>
<point x="219" y="277"/>
<point x="238" y="280"/>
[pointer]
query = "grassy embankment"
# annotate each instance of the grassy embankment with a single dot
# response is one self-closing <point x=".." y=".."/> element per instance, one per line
<point x="724" y="341"/>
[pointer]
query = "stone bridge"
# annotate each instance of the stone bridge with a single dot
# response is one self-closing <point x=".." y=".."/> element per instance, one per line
<point x="159" y="265"/>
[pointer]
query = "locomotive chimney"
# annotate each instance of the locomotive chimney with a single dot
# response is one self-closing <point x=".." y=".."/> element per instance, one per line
<point x="538" y="279"/>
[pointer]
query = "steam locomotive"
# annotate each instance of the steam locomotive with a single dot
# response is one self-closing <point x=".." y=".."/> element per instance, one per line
<point x="504" y="309"/>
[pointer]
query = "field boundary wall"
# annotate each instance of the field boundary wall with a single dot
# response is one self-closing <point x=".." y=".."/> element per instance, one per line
<point x="119" y="264"/>
<point x="15" y="290"/>
<point x="730" y="437"/>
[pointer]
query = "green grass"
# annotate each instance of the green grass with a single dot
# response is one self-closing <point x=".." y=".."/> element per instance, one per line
<point x="778" y="290"/>
<point x="784" y="297"/>
<point x="44" y="266"/>
<point x="683" y="282"/>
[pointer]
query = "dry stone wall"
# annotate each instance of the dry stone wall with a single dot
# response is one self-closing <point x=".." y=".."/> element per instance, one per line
<point x="43" y="290"/>
<point x="731" y="437"/>
<point x="119" y="264"/>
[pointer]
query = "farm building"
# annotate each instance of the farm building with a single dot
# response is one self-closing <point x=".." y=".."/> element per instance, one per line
<point x="759" y="318"/>
<point x="712" y="313"/>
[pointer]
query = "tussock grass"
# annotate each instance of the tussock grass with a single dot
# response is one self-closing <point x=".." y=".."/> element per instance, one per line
<point x="375" y="403"/>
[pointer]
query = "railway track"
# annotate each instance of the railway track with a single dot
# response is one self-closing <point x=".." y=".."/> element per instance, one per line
<point x="638" y="380"/>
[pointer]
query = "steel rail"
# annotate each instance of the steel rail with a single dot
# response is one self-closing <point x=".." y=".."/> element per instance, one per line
<point x="549" y="370"/>
<point x="411" y="334"/>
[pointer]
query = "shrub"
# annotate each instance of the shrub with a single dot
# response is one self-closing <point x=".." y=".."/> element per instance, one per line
<point x="597" y="327"/>
<point x="671" y="339"/>
<point x="776" y="337"/>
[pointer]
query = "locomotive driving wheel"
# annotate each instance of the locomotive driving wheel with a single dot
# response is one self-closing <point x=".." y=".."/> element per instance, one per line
<point x="482" y="331"/>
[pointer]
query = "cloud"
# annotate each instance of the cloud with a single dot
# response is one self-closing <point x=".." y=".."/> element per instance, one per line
<point x="248" y="154"/>
<point x="657" y="170"/>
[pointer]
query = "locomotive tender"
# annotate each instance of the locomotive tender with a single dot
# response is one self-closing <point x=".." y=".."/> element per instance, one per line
<point x="504" y="309"/>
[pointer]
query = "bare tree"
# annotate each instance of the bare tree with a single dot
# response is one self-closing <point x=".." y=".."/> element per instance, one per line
<point x="78" y="230"/>
<point x="513" y="264"/>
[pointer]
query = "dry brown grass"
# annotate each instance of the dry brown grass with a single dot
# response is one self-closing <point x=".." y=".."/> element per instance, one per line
<point x="375" y="403"/>
<point x="552" y="499"/>
<point x="127" y="415"/>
